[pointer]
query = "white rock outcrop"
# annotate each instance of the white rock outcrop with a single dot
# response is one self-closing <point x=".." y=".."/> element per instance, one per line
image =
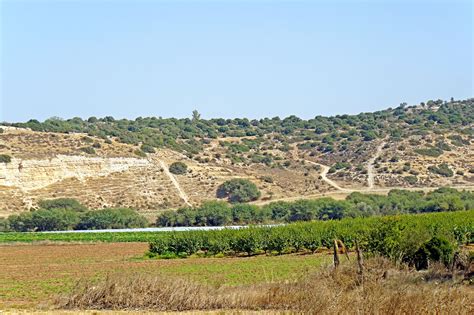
<point x="35" y="174"/>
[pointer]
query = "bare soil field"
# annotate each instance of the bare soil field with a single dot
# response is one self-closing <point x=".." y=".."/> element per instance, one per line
<point x="33" y="276"/>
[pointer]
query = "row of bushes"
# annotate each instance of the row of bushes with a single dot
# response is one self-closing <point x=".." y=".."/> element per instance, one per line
<point x="68" y="214"/>
<point x="397" y="237"/>
<point x="356" y="205"/>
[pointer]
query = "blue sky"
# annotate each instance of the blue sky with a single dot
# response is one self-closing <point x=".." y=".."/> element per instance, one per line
<point x="230" y="58"/>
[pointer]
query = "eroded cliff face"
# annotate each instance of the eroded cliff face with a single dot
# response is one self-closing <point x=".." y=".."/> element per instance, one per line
<point x="33" y="174"/>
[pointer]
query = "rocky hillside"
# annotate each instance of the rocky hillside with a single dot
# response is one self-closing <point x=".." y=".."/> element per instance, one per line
<point x="107" y="162"/>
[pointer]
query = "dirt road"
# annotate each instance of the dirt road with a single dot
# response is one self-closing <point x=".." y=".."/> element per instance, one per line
<point x="370" y="166"/>
<point x="181" y="192"/>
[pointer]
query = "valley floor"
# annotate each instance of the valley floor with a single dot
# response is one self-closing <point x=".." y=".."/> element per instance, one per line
<point x="33" y="276"/>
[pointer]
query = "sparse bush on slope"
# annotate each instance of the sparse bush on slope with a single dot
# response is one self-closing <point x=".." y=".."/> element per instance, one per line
<point x="62" y="203"/>
<point x="178" y="168"/>
<point x="4" y="158"/>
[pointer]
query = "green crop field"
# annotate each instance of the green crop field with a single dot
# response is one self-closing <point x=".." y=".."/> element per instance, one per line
<point x="28" y="237"/>
<point x="455" y="226"/>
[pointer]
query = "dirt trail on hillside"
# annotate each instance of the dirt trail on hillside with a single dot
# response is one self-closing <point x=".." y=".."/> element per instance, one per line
<point x="324" y="173"/>
<point x="342" y="192"/>
<point x="325" y="170"/>
<point x="181" y="192"/>
<point x="370" y="166"/>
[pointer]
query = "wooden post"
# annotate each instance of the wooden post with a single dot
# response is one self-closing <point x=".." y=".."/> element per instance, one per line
<point x="344" y="249"/>
<point x="336" y="255"/>
<point x="360" y="259"/>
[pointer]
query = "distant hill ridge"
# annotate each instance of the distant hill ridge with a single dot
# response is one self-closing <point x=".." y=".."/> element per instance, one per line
<point x="416" y="147"/>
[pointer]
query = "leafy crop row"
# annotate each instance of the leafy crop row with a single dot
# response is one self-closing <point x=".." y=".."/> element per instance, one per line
<point x="397" y="237"/>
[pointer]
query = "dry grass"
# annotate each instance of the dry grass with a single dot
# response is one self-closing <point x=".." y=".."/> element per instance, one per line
<point x="393" y="292"/>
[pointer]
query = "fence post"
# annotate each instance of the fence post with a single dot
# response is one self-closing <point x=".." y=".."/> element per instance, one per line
<point x="360" y="259"/>
<point x="336" y="254"/>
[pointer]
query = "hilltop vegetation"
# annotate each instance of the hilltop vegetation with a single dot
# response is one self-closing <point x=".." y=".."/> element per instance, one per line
<point x="323" y="134"/>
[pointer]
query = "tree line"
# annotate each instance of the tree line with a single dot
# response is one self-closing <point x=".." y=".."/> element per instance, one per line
<point x="215" y="213"/>
<point x="68" y="214"/>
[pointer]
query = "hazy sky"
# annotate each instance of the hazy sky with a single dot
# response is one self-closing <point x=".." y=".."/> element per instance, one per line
<point x="230" y="58"/>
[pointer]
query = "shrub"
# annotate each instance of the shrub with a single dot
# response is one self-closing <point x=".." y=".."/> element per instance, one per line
<point x="394" y="159"/>
<point x="62" y="203"/>
<point x="238" y="190"/>
<point x="140" y="153"/>
<point x="44" y="220"/>
<point x="436" y="249"/>
<point x="112" y="218"/>
<point x="4" y="225"/>
<point x="147" y="148"/>
<point x="244" y="213"/>
<point x="411" y="179"/>
<point x="339" y="166"/>
<point x="213" y="213"/>
<point x="54" y="219"/>
<point x="4" y="158"/>
<point x="433" y="152"/>
<point x="442" y="169"/>
<point x="87" y="139"/>
<point x="88" y="150"/>
<point x="178" y="168"/>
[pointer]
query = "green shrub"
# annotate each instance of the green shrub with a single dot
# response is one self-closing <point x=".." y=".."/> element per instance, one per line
<point x="147" y="148"/>
<point x="88" y="150"/>
<point x="442" y="169"/>
<point x="178" y="168"/>
<point x="112" y="218"/>
<point x="238" y="190"/>
<point x="62" y="203"/>
<point x="87" y="139"/>
<point x="44" y="220"/>
<point x="4" y="158"/>
<point x="436" y="249"/>
<point x="433" y="152"/>
<point x="339" y="166"/>
<point x="140" y="153"/>
<point x="4" y="225"/>
<point x="412" y="180"/>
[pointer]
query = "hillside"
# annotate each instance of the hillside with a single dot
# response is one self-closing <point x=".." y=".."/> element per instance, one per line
<point x="107" y="162"/>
